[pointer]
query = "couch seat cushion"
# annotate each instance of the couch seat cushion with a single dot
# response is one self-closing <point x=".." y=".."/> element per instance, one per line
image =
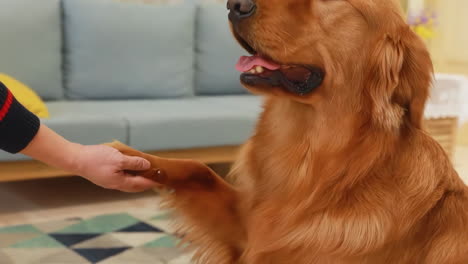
<point x="201" y="121"/>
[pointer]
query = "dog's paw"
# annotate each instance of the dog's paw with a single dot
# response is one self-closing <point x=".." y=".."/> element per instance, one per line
<point x="171" y="173"/>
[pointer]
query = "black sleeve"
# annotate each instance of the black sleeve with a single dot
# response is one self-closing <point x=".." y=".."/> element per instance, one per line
<point x="18" y="126"/>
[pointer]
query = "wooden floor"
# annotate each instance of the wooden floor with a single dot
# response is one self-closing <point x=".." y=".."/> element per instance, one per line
<point x="59" y="198"/>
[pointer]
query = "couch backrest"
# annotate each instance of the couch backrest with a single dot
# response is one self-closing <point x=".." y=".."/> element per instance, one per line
<point x="117" y="50"/>
<point x="30" y="44"/>
<point x="124" y="50"/>
<point x="216" y="52"/>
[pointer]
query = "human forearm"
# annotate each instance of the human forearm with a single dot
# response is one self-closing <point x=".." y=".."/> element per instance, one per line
<point x="51" y="148"/>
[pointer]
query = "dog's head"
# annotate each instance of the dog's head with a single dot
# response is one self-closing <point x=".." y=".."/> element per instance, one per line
<point x="358" y="54"/>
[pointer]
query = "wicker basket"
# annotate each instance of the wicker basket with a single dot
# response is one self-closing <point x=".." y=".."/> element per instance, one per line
<point x="444" y="131"/>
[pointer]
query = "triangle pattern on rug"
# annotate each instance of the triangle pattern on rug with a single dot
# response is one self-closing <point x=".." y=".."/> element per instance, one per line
<point x="118" y="238"/>
<point x="98" y="254"/>
<point x="72" y="239"/>
<point x="104" y="241"/>
<point x="51" y="227"/>
<point x="43" y="241"/>
<point x="166" y="225"/>
<point x="101" y="224"/>
<point x="19" y="229"/>
<point x="140" y="227"/>
<point x="165" y="241"/>
<point x="137" y="239"/>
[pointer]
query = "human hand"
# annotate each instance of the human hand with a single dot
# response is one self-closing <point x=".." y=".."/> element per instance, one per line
<point x="106" y="167"/>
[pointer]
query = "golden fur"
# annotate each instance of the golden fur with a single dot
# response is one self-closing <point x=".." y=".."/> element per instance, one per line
<point x="343" y="175"/>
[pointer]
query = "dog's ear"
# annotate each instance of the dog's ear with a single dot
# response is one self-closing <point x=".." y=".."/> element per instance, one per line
<point x="386" y="62"/>
<point x="416" y="77"/>
<point x="400" y="73"/>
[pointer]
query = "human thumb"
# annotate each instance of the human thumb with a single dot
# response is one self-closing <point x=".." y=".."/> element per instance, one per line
<point x="135" y="163"/>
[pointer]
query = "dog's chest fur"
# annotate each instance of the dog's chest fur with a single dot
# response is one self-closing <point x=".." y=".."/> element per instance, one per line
<point x="277" y="173"/>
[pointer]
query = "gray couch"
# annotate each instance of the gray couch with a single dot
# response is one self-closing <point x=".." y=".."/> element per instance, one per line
<point x="156" y="77"/>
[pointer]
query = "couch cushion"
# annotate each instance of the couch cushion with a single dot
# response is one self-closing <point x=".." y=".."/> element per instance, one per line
<point x="84" y="129"/>
<point x="203" y="122"/>
<point x="217" y="52"/>
<point x="30" y="44"/>
<point x="128" y="50"/>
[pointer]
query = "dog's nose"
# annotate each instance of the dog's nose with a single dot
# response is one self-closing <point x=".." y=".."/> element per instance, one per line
<point x="240" y="9"/>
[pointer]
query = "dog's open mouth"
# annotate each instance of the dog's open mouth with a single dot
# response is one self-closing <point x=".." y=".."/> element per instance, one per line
<point x="258" y="70"/>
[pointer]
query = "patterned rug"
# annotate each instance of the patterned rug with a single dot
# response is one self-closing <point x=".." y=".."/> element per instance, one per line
<point x="105" y="239"/>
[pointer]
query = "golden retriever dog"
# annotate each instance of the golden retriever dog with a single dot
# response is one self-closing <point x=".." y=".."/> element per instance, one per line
<point x="339" y="169"/>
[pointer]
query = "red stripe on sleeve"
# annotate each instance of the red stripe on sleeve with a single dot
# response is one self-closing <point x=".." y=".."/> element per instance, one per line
<point x="6" y="105"/>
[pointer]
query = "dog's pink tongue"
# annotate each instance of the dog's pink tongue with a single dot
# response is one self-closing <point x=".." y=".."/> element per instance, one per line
<point x="246" y="63"/>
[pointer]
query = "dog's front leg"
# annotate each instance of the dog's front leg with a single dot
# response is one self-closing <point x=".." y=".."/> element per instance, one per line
<point x="208" y="205"/>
